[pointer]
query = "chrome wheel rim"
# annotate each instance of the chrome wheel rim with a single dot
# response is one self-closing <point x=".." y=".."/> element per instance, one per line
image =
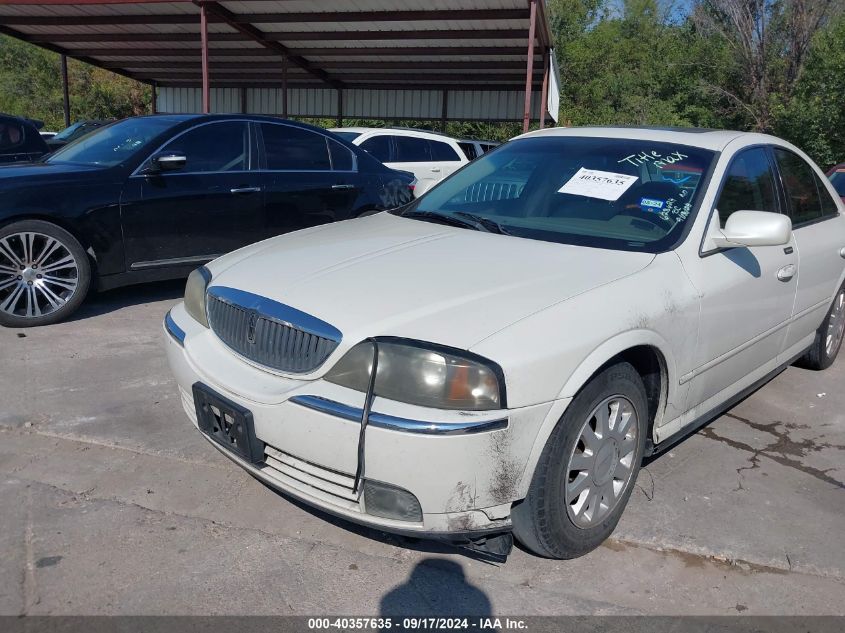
<point x="38" y="274"/>
<point x="602" y="462"/>
<point x="836" y="324"/>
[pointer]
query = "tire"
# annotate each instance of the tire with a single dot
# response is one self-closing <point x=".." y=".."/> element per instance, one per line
<point x="44" y="274"/>
<point x="545" y="522"/>
<point x="829" y="336"/>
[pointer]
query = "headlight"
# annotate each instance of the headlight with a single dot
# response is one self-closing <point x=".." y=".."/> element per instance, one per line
<point x="195" y="294"/>
<point x="422" y="374"/>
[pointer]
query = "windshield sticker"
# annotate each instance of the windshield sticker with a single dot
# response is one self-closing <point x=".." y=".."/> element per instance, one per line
<point x="651" y="204"/>
<point x="659" y="160"/>
<point x="592" y="183"/>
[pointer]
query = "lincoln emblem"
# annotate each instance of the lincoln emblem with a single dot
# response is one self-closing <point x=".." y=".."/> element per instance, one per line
<point x="250" y="331"/>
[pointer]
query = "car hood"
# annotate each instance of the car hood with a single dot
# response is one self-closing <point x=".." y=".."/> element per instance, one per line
<point x="384" y="275"/>
<point x="46" y="171"/>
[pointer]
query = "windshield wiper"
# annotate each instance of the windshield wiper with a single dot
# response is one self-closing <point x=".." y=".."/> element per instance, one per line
<point x="443" y="218"/>
<point x="491" y="226"/>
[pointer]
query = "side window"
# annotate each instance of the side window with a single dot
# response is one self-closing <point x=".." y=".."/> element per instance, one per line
<point x="11" y="136"/>
<point x="379" y="147"/>
<point x="410" y="149"/>
<point x="214" y="147"/>
<point x="800" y="185"/>
<point x="341" y="157"/>
<point x="749" y="185"/>
<point x="291" y="148"/>
<point x="469" y="150"/>
<point x="443" y="151"/>
<point x="828" y="205"/>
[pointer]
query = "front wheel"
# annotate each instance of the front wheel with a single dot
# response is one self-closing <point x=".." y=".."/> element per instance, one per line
<point x="44" y="274"/>
<point x="829" y="336"/>
<point x="588" y="468"/>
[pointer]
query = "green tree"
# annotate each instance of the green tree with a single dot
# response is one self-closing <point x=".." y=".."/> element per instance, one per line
<point x="814" y="119"/>
<point x="31" y="85"/>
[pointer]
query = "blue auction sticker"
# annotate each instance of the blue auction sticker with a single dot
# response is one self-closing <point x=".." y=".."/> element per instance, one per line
<point x="651" y="204"/>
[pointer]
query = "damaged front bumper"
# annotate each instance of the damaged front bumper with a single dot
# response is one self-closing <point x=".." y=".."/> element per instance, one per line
<point x="465" y="469"/>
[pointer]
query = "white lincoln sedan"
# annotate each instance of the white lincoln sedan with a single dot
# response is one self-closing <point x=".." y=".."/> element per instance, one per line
<point x="498" y="357"/>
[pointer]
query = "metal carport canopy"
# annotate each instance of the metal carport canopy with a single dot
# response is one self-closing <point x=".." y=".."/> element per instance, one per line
<point x="394" y="59"/>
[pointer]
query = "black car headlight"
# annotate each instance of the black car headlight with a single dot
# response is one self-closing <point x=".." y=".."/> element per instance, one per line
<point x="423" y="374"/>
<point x="195" y="290"/>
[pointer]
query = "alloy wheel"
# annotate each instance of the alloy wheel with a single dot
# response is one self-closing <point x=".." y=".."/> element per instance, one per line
<point x="602" y="462"/>
<point x="38" y="274"/>
<point x="836" y="324"/>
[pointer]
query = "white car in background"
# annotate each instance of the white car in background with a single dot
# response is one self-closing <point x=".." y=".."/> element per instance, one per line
<point x="473" y="148"/>
<point x="430" y="156"/>
<point x="471" y="365"/>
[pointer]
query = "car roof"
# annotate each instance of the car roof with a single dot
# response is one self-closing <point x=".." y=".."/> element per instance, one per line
<point x="400" y="131"/>
<point x="715" y="140"/>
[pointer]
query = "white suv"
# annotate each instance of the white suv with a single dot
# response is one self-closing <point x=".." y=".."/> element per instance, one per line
<point x="428" y="155"/>
<point x="468" y="365"/>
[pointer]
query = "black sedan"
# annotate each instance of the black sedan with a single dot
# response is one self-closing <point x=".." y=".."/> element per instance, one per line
<point x="20" y="140"/>
<point x="151" y="198"/>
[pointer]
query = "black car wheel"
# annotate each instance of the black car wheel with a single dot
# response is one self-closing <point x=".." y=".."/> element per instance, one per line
<point x="829" y="336"/>
<point x="588" y="468"/>
<point x="44" y="274"/>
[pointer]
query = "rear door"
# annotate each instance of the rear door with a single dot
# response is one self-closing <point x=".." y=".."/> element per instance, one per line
<point x="819" y="237"/>
<point x="308" y="179"/>
<point x="209" y="207"/>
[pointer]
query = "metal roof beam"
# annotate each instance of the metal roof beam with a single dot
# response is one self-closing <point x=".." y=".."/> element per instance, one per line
<point x="291" y="17"/>
<point x="357" y="65"/>
<point x="249" y="31"/>
<point x="517" y="78"/>
<point x="343" y="52"/>
<point x="266" y="39"/>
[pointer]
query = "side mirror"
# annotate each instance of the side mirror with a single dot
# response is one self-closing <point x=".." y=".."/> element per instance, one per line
<point x="753" y="228"/>
<point x="169" y="161"/>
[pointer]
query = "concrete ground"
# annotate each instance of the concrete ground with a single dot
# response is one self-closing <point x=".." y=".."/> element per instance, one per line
<point x="111" y="503"/>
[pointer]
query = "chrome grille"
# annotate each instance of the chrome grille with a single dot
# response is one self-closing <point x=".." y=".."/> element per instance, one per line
<point x="268" y="332"/>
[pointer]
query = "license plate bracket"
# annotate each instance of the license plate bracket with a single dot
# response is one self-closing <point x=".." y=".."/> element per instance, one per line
<point x="227" y="423"/>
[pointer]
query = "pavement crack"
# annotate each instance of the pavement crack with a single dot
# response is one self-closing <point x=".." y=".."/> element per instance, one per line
<point x="778" y="451"/>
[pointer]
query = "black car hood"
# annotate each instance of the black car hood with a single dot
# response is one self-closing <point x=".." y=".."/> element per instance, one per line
<point x="37" y="170"/>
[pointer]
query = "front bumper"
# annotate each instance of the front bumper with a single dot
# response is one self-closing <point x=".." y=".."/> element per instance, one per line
<point x="465" y="468"/>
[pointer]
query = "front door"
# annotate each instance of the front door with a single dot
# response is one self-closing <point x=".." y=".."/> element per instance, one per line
<point x="747" y="293"/>
<point x="207" y="208"/>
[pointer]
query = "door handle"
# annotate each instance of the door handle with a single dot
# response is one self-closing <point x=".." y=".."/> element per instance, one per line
<point x="787" y="272"/>
<point x="435" y="169"/>
<point x="245" y="190"/>
<point x="343" y="186"/>
<point x="842" y="252"/>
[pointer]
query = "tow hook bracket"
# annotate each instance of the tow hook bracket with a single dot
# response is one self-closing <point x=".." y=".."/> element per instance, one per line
<point x="495" y="548"/>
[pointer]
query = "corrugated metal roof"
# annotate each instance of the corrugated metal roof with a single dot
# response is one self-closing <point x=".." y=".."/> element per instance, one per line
<point x="392" y="59"/>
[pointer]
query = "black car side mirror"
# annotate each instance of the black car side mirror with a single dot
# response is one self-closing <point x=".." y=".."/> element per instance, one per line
<point x="169" y="161"/>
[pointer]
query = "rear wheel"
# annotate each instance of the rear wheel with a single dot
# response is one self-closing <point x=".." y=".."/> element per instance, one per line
<point x="829" y="336"/>
<point x="588" y="468"/>
<point x="44" y="274"/>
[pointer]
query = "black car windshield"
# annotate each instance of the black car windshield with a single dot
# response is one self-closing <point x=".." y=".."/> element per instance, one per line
<point x="68" y="131"/>
<point x="838" y="180"/>
<point x="603" y="192"/>
<point x="112" y="144"/>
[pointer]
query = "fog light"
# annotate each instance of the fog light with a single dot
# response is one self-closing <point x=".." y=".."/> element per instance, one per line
<point x="390" y="502"/>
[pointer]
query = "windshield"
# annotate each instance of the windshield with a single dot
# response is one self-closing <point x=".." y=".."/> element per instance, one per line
<point x="608" y="193"/>
<point x="65" y="133"/>
<point x="838" y="180"/>
<point x="347" y="136"/>
<point x="112" y="144"/>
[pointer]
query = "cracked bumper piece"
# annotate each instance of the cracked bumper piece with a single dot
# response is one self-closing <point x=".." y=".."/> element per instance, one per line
<point x="464" y="470"/>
